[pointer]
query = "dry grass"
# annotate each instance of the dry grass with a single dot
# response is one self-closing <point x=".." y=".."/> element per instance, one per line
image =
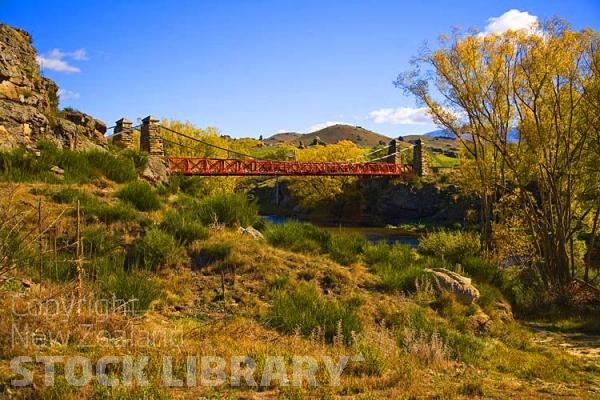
<point x="408" y="348"/>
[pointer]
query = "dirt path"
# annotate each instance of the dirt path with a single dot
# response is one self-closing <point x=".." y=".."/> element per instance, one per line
<point x="578" y="344"/>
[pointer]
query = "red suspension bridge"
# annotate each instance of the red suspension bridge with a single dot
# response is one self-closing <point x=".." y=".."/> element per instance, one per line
<point x="152" y="141"/>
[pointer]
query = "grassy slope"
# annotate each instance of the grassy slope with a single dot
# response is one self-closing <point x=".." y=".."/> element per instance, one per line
<point x="507" y="364"/>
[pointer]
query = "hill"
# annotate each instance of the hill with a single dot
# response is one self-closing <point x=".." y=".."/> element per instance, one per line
<point x="331" y="134"/>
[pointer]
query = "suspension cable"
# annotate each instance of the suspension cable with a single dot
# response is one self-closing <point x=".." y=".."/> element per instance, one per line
<point x="210" y="144"/>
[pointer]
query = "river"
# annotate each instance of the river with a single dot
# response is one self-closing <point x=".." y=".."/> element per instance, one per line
<point x="373" y="235"/>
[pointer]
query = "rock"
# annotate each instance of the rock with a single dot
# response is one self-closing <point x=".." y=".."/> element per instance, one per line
<point x="456" y="284"/>
<point x="29" y="102"/>
<point x="157" y="171"/>
<point x="480" y="322"/>
<point x="57" y="170"/>
<point x="253" y="233"/>
<point x="77" y="130"/>
<point x="504" y="312"/>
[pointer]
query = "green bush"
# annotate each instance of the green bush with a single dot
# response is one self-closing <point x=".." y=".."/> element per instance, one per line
<point x="157" y="249"/>
<point x="395" y="278"/>
<point x="79" y="167"/>
<point x="21" y="166"/>
<point x="299" y="236"/>
<point x="397" y="254"/>
<point x="523" y="287"/>
<point x="346" y="249"/>
<point x="141" y="195"/>
<point x="94" y="209"/>
<point x="230" y="209"/>
<point x="305" y="309"/>
<point x="453" y="246"/>
<point x="184" y="226"/>
<point x="98" y="241"/>
<point x="115" y="167"/>
<point x="479" y="268"/>
<point x="396" y="265"/>
<point x="125" y="285"/>
<point x="139" y="158"/>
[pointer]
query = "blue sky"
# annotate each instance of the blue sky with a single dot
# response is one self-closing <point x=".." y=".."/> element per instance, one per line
<point x="256" y="67"/>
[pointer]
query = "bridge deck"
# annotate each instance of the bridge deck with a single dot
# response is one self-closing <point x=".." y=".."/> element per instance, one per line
<point x="237" y="167"/>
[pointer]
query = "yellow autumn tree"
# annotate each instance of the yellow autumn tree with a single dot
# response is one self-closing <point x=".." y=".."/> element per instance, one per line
<point x="541" y="84"/>
<point x="311" y="190"/>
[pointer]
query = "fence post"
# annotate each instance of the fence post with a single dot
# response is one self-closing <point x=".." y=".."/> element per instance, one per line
<point x="124" y="140"/>
<point x="150" y="139"/>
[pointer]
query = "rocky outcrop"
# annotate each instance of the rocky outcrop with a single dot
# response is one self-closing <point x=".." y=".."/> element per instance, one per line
<point x="157" y="171"/>
<point x="456" y="284"/>
<point x="29" y="102"/>
<point x="403" y="202"/>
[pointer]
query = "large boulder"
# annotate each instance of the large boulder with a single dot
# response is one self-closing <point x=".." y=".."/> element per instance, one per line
<point x="456" y="284"/>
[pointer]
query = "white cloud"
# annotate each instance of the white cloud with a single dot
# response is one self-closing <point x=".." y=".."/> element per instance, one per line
<point x="79" y="54"/>
<point x="56" y="60"/>
<point x="401" y="116"/>
<point x="317" y="127"/>
<point x="64" y="94"/>
<point x="282" y="131"/>
<point x="512" y="20"/>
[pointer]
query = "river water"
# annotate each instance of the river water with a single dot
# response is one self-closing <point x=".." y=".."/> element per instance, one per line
<point x="373" y="235"/>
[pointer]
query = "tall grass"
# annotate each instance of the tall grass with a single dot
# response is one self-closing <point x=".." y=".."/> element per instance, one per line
<point x="95" y="209"/>
<point x="305" y="309"/>
<point x="141" y="195"/>
<point x="184" y="226"/>
<point x="79" y="167"/>
<point x="397" y="266"/>
<point x="115" y="281"/>
<point x="156" y="250"/>
<point x="229" y="209"/>
<point x="346" y="249"/>
<point x="453" y="246"/>
<point x="299" y="236"/>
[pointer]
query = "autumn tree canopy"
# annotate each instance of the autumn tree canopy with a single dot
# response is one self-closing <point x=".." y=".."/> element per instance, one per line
<point x="542" y="84"/>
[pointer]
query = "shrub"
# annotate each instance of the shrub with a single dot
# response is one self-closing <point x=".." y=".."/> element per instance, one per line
<point x="184" y="226"/>
<point x="399" y="279"/>
<point x="139" y="158"/>
<point x="230" y="209"/>
<point x="93" y="208"/>
<point x="126" y="285"/>
<point x="305" y="309"/>
<point x="522" y="287"/>
<point x="157" y="249"/>
<point x="396" y="265"/>
<point x="20" y="166"/>
<point x="453" y="246"/>
<point x="299" y="236"/>
<point x="79" y="167"/>
<point x="397" y="254"/>
<point x="346" y="249"/>
<point x="113" y="166"/>
<point x="479" y="268"/>
<point x="98" y="241"/>
<point x="141" y="195"/>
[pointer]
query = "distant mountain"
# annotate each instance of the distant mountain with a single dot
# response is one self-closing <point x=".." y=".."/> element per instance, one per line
<point x="330" y="135"/>
<point x="513" y="134"/>
<point x="441" y="133"/>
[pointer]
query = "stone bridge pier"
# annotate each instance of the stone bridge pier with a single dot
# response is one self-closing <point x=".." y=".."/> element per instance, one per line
<point x="151" y="140"/>
<point x="419" y="164"/>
